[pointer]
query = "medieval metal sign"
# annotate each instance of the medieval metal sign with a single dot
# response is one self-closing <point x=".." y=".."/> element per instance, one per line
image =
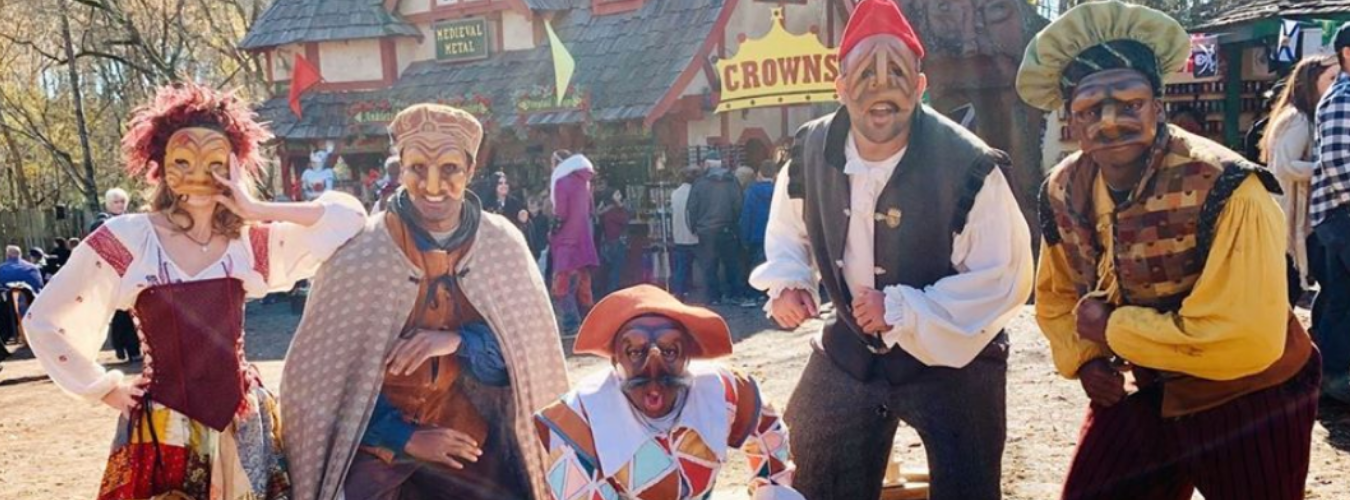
<point x="778" y="69"/>
<point x="461" y="40"/>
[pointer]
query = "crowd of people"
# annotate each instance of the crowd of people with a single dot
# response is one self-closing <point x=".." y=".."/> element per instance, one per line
<point x="1305" y="143"/>
<point x="578" y="227"/>
<point x="22" y="279"/>
<point x="428" y="362"/>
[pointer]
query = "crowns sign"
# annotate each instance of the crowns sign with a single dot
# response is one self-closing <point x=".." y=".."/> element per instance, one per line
<point x="779" y="69"/>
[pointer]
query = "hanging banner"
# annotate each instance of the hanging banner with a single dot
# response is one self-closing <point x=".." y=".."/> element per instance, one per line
<point x="778" y="69"/>
<point x="383" y="110"/>
<point x="1204" y="61"/>
<point x="1328" y="31"/>
<point x="543" y="99"/>
<point x="1287" y="51"/>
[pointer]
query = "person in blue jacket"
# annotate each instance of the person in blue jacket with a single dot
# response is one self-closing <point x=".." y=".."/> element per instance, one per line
<point x="755" y="211"/>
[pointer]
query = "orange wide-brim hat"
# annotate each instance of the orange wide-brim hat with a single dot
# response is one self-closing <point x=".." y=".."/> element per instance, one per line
<point x="706" y="327"/>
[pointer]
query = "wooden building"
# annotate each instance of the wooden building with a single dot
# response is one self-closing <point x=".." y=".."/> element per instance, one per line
<point x="642" y="102"/>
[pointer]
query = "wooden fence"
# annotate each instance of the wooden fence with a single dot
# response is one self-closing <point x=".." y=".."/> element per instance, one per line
<point x="38" y="227"/>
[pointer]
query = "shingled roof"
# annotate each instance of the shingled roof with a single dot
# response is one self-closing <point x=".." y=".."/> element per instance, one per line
<point x="325" y="116"/>
<point x="296" y="21"/>
<point x="555" y="5"/>
<point x="625" y="62"/>
<point x="1335" y="8"/>
<point x="1224" y="14"/>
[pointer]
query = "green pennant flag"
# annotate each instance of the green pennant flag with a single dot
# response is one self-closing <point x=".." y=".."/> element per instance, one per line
<point x="1328" y="31"/>
<point x="563" y="64"/>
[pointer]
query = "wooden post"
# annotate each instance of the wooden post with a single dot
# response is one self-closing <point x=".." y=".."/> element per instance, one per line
<point x="1232" y="99"/>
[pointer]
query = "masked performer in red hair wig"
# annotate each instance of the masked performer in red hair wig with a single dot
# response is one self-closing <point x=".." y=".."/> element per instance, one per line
<point x="197" y="423"/>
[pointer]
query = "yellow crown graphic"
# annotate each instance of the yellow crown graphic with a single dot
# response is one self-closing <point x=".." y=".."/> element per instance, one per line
<point x="779" y="69"/>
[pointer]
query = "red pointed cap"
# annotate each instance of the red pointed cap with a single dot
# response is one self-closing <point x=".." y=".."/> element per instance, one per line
<point x="878" y="17"/>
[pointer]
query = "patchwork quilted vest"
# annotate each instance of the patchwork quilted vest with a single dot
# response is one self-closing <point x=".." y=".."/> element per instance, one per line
<point x="1164" y="232"/>
<point x="1161" y="239"/>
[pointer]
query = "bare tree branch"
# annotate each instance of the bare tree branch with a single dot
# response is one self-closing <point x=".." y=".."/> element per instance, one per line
<point x="121" y="50"/>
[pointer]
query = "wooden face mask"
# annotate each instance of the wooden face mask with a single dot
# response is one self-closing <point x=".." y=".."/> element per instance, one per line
<point x="1115" y="115"/>
<point x="191" y="156"/>
<point x="651" y="355"/>
<point x="436" y="175"/>
<point x="881" y="86"/>
<point x="434" y="168"/>
<point x="437" y="145"/>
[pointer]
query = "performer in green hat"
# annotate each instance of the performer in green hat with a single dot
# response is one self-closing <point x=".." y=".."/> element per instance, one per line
<point x="1163" y="256"/>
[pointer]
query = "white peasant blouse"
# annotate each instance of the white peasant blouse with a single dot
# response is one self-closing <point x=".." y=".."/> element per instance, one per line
<point x="68" y="322"/>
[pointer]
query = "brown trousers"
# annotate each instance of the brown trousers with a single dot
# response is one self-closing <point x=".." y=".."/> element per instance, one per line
<point x="406" y="479"/>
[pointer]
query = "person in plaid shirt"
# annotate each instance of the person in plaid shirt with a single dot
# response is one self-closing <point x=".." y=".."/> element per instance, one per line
<point x="1330" y="215"/>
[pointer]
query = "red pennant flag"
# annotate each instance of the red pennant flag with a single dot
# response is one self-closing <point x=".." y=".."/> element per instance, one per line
<point x="303" y="76"/>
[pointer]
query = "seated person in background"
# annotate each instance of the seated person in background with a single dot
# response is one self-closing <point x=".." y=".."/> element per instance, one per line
<point x="15" y="269"/>
<point x="20" y="274"/>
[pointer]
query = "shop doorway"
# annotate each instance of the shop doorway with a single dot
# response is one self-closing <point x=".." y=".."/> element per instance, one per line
<point x="756" y="151"/>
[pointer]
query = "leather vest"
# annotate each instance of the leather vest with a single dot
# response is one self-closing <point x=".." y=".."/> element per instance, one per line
<point x="921" y="209"/>
<point x="194" y="337"/>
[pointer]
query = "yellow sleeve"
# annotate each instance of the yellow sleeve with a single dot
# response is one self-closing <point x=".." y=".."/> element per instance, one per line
<point x="1233" y="323"/>
<point x="1056" y="300"/>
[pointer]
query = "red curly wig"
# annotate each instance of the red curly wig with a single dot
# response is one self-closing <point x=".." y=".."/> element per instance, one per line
<point x="184" y="105"/>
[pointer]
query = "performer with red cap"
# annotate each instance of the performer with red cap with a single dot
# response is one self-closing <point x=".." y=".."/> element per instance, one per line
<point x="657" y="424"/>
<point x="908" y="221"/>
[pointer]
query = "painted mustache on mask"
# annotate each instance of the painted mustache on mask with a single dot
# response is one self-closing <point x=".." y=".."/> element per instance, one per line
<point x="671" y="381"/>
<point x="1122" y="133"/>
<point x="873" y="96"/>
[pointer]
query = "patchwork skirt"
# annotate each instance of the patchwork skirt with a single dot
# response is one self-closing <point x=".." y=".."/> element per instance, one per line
<point x="160" y="453"/>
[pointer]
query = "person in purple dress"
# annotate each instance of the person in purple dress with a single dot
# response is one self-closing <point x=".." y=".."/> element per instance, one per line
<point x="572" y="244"/>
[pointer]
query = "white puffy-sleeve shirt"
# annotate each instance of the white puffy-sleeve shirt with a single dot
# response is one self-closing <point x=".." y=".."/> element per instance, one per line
<point x="68" y="321"/>
<point x="945" y="324"/>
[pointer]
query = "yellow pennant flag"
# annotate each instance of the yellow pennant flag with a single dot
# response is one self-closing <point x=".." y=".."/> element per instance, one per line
<point x="563" y="64"/>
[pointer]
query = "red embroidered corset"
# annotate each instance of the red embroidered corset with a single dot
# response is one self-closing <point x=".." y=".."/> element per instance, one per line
<point x="194" y="334"/>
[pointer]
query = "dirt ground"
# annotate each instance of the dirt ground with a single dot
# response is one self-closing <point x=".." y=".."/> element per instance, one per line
<point x="53" y="447"/>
